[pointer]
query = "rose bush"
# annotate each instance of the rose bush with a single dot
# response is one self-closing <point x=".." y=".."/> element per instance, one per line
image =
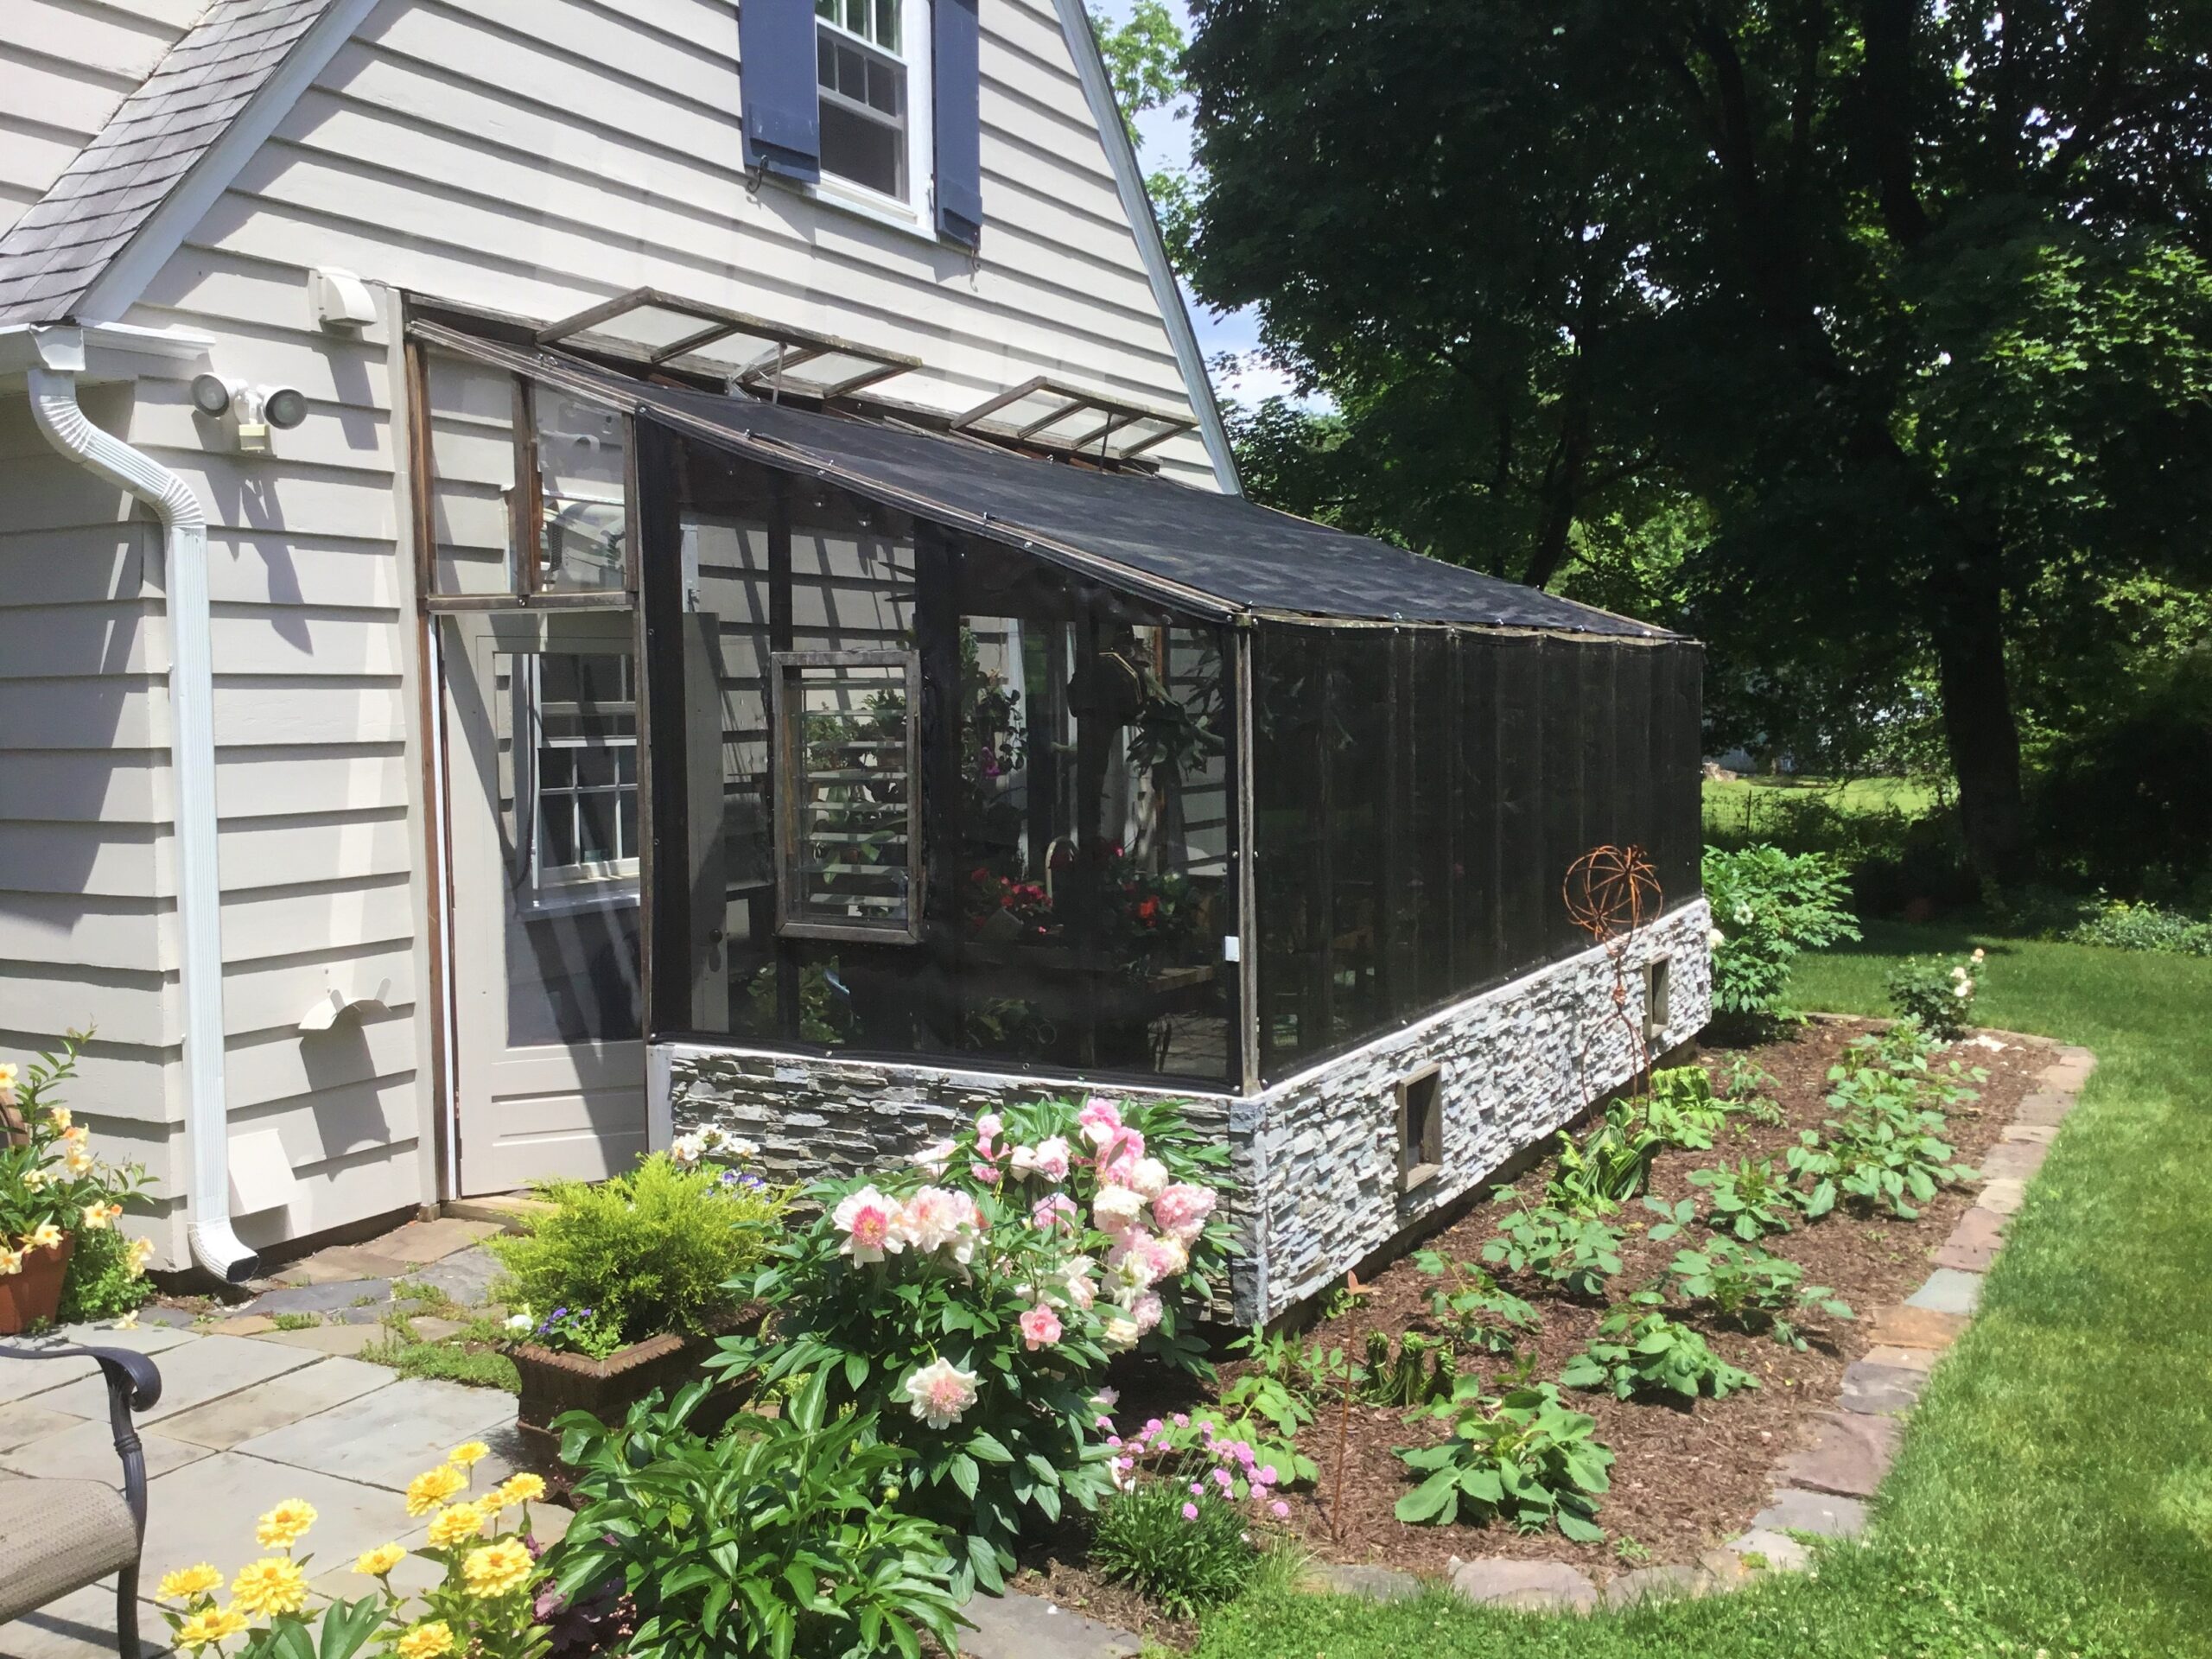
<point x="970" y="1302"/>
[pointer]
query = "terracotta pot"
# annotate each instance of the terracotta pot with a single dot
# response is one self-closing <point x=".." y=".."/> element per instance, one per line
<point x="554" y="1382"/>
<point x="33" y="1297"/>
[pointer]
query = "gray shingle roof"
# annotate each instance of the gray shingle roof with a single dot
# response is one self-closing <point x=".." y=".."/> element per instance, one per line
<point x="51" y="257"/>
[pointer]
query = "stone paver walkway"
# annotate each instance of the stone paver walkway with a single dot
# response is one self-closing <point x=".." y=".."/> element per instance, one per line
<point x="251" y="1414"/>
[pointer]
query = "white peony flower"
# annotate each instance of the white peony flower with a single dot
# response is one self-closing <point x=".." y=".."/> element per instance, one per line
<point x="936" y="1159"/>
<point x="1115" y="1209"/>
<point x="685" y="1150"/>
<point x="939" y="1392"/>
<point x="1149" y="1177"/>
<point x="1714" y="938"/>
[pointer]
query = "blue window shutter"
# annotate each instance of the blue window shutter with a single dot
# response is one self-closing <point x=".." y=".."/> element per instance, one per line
<point x="955" y="70"/>
<point x="783" y="117"/>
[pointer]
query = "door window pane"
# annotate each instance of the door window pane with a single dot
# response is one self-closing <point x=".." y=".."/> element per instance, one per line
<point x="583" y="493"/>
<point x="846" y="776"/>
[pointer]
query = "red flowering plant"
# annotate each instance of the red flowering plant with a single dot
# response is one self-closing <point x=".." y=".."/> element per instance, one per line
<point x="1002" y="908"/>
<point x="1153" y="914"/>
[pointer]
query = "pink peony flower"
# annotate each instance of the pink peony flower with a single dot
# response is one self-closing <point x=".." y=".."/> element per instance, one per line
<point x="935" y="1158"/>
<point x="985" y="1174"/>
<point x="937" y="1219"/>
<point x="1182" y="1209"/>
<point x="1041" y="1327"/>
<point x="1098" y="1111"/>
<point x="1081" y="1291"/>
<point x="872" y="1224"/>
<point x="1115" y="1210"/>
<point x="989" y="1127"/>
<point x="1147" y="1313"/>
<point x="1056" y="1210"/>
<point x="1149" y="1177"/>
<point x="939" y="1391"/>
<point x="1053" y="1158"/>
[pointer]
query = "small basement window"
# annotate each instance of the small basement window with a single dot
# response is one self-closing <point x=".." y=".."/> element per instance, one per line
<point x="1658" y="994"/>
<point x="848" y="835"/>
<point x="1420" y="1127"/>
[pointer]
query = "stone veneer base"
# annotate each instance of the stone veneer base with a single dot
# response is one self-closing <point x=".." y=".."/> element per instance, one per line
<point x="1314" y="1158"/>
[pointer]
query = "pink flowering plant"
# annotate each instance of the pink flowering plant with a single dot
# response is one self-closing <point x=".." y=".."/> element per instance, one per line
<point x="973" y="1300"/>
<point x="1190" y="1505"/>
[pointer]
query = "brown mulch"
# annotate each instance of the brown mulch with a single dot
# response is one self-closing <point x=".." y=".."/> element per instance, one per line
<point x="1682" y="1480"/>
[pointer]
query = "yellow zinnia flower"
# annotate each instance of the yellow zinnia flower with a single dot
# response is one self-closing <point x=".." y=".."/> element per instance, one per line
<point x="285" y="1525"/>
<point x="433" y="1487"/>
<point x="469" y="1454"/>
<point x="270" y="1586"/>
<point x="522" y="1489"/>
<point x="377" y="1562"/>
<point x="456" y="1525"/>
<point x="189" y="1583"/>
<point x="497" y="1568"/>
<point x="426" y="1641"/>
<point x="208" y="1626"/>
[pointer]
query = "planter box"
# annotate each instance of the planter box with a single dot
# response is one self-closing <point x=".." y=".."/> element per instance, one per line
<point x="554" y="1382"/>
<point x="33" y="1297"/>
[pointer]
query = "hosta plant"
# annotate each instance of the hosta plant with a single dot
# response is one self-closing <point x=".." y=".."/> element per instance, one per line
<point x="1638" y="1350"/>
<point x="1471" y="1305"/>
<point x="1608" y="1168"/>
<point x="1526" y="1459"/>
<point x="770" y="1539"/>
<point x="1681" y="1109"/>
<point x="1878" y="1163"/>
<point x="1576" y="1253"/>
<point x="1750" y="1199"/>
<point x="1422" y="1369"/>
<point x="1753" y="1287"/>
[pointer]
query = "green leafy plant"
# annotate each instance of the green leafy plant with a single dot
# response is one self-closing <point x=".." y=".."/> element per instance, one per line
<point x="1471" y="1305"/>
<point x="1750" y="1199"/>
<point x="1608" y="1168"/>
<point x="1181" y="1524"/>
<point x="1752" y="1287"/>
<point x="1422" y="1369"/>
<point x="1937" y="996"/>
<point x="1878" y="1161"/>
<point x="1525" y="1459"/>
<point x="774" y="1538"/>
<point x="51" y="1186"/>
<point x="1576" y="1253"/>
<point x="1745" y="1084"/>
<point x="1770" y="906"/>
<point x="1269" y="1405"/>
<point x="1638" y="1350"/>
<point x="1681" y="1110"/>
<point x="651" y="1251"/>
<point x="107" y="1277"/>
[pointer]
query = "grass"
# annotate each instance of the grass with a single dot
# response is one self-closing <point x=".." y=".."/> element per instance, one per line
<point x="2054" y="1493"/>
<point x="296" y="1321"/>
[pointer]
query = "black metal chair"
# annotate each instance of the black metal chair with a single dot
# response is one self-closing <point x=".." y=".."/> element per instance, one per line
<point x="59" y="1536"/>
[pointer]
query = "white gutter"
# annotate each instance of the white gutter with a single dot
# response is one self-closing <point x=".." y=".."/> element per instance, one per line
<point x="52" y="383"/>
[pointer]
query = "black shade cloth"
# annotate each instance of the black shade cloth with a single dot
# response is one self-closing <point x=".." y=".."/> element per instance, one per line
<point x="1244" y="556"/>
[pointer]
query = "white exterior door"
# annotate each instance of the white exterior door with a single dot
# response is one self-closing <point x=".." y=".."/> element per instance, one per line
<point x="542" y="775"/>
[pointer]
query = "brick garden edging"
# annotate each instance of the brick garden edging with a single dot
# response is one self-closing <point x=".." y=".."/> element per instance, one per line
<point x="1824" y="1489"/>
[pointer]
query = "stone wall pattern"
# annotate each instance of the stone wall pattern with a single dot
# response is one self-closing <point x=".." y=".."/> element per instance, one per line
<point x="1314" y="1158"/>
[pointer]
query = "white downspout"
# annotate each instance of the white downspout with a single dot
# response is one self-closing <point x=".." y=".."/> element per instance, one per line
<point x="215" y="1246"/>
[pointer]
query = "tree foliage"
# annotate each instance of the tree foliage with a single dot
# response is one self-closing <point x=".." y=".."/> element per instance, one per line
<point x="1907" y="306"/>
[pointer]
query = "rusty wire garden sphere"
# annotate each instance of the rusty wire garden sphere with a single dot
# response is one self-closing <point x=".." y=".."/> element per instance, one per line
<point x="1612" y="890"/>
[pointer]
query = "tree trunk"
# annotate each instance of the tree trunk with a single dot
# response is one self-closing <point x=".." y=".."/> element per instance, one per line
<point x="1980" y="726"/>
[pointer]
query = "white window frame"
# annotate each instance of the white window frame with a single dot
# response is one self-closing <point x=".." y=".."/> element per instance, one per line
<point x="598" y="883"/>
<point x="917" y="209"/>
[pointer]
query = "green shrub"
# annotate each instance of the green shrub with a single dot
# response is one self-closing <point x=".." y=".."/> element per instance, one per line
<point x="648" y="1252"/>
<point x="1576" y="1253"/>
<point x="1471" y="1305"/>
<point x="773" y="1539"/>
<point x="1638" y="1350"/>
<point x="1526" y="1458"/>
<point x="1753" y="1287"/>
<point x="105" y="1280"/>
<point x="1769" y="907"/>
<point x="1936" y="995"/>
<point x="2121" y="925"/>
<point x="1750" y="1200"/>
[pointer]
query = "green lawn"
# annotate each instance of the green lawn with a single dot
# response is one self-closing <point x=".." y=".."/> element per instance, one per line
<point x="2054" y="1493"/>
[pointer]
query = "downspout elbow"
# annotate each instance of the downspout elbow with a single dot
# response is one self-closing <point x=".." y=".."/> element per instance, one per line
<point x="215" y="1244"/>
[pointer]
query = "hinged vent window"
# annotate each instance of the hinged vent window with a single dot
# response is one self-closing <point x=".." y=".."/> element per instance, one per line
<point x="849" y="836"/>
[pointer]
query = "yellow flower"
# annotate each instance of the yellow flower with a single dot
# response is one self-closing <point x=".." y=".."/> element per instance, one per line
<point x="80" y="1135"/>
<point x="456" y="1525"/>
<point x="497" y="1568"/>
<point x="57" y="1115"/>
<point x="11" y="1262"/>
<point x="77" y="1161"/>
<point x="469" y="1454"/>
<point x="142" y="1252"/>
<point x="98" y="1215"/>
<point x="208" y="1626"/>
<point x="270" y="1586"/>
<point x="522" y="1489"/>
<point x="426" y="1641"/>
<point x="432" y="1487"/>
<point x="44" y="1236"/>
<point x="189" y="1583"/>
<point x="285" y="1525"/>
<point x="377" y="1562"/>
<point x="36" y="1180"/>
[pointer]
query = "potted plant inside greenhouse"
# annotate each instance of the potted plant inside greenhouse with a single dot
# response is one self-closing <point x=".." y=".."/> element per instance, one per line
<point x="622" y="1286"/>
<point x="55" y="1194"/>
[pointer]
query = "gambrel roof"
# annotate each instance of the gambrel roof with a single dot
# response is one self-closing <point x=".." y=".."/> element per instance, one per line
<point x="51" y="257"/>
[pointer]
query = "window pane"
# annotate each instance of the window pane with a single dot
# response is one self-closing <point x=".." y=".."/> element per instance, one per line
<point x="886" y="25"/>
<point x="556" y="822"/>
<point x="472" y="420"/>
<point x="595" y="838"/>
<point x="847" y="767"/>
<point x="885" y="83"/>
<point x="582" y="465"/>
<point x="865" y="150"/>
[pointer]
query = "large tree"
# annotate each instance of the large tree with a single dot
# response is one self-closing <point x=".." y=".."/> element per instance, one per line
<point x="1912" y="297"/>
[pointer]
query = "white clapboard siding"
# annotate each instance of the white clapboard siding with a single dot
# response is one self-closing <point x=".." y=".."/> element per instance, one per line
<point x="284" y="1063"/>
<point x="373" y="1180"/>
<point x="126" y="1004"/>
<point x="276" y="996"/>
<point x="66" y="65"/>
<point x="110" y="861"/>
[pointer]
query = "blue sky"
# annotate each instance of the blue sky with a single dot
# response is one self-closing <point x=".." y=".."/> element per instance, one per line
<point x="1164" y="138"/>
